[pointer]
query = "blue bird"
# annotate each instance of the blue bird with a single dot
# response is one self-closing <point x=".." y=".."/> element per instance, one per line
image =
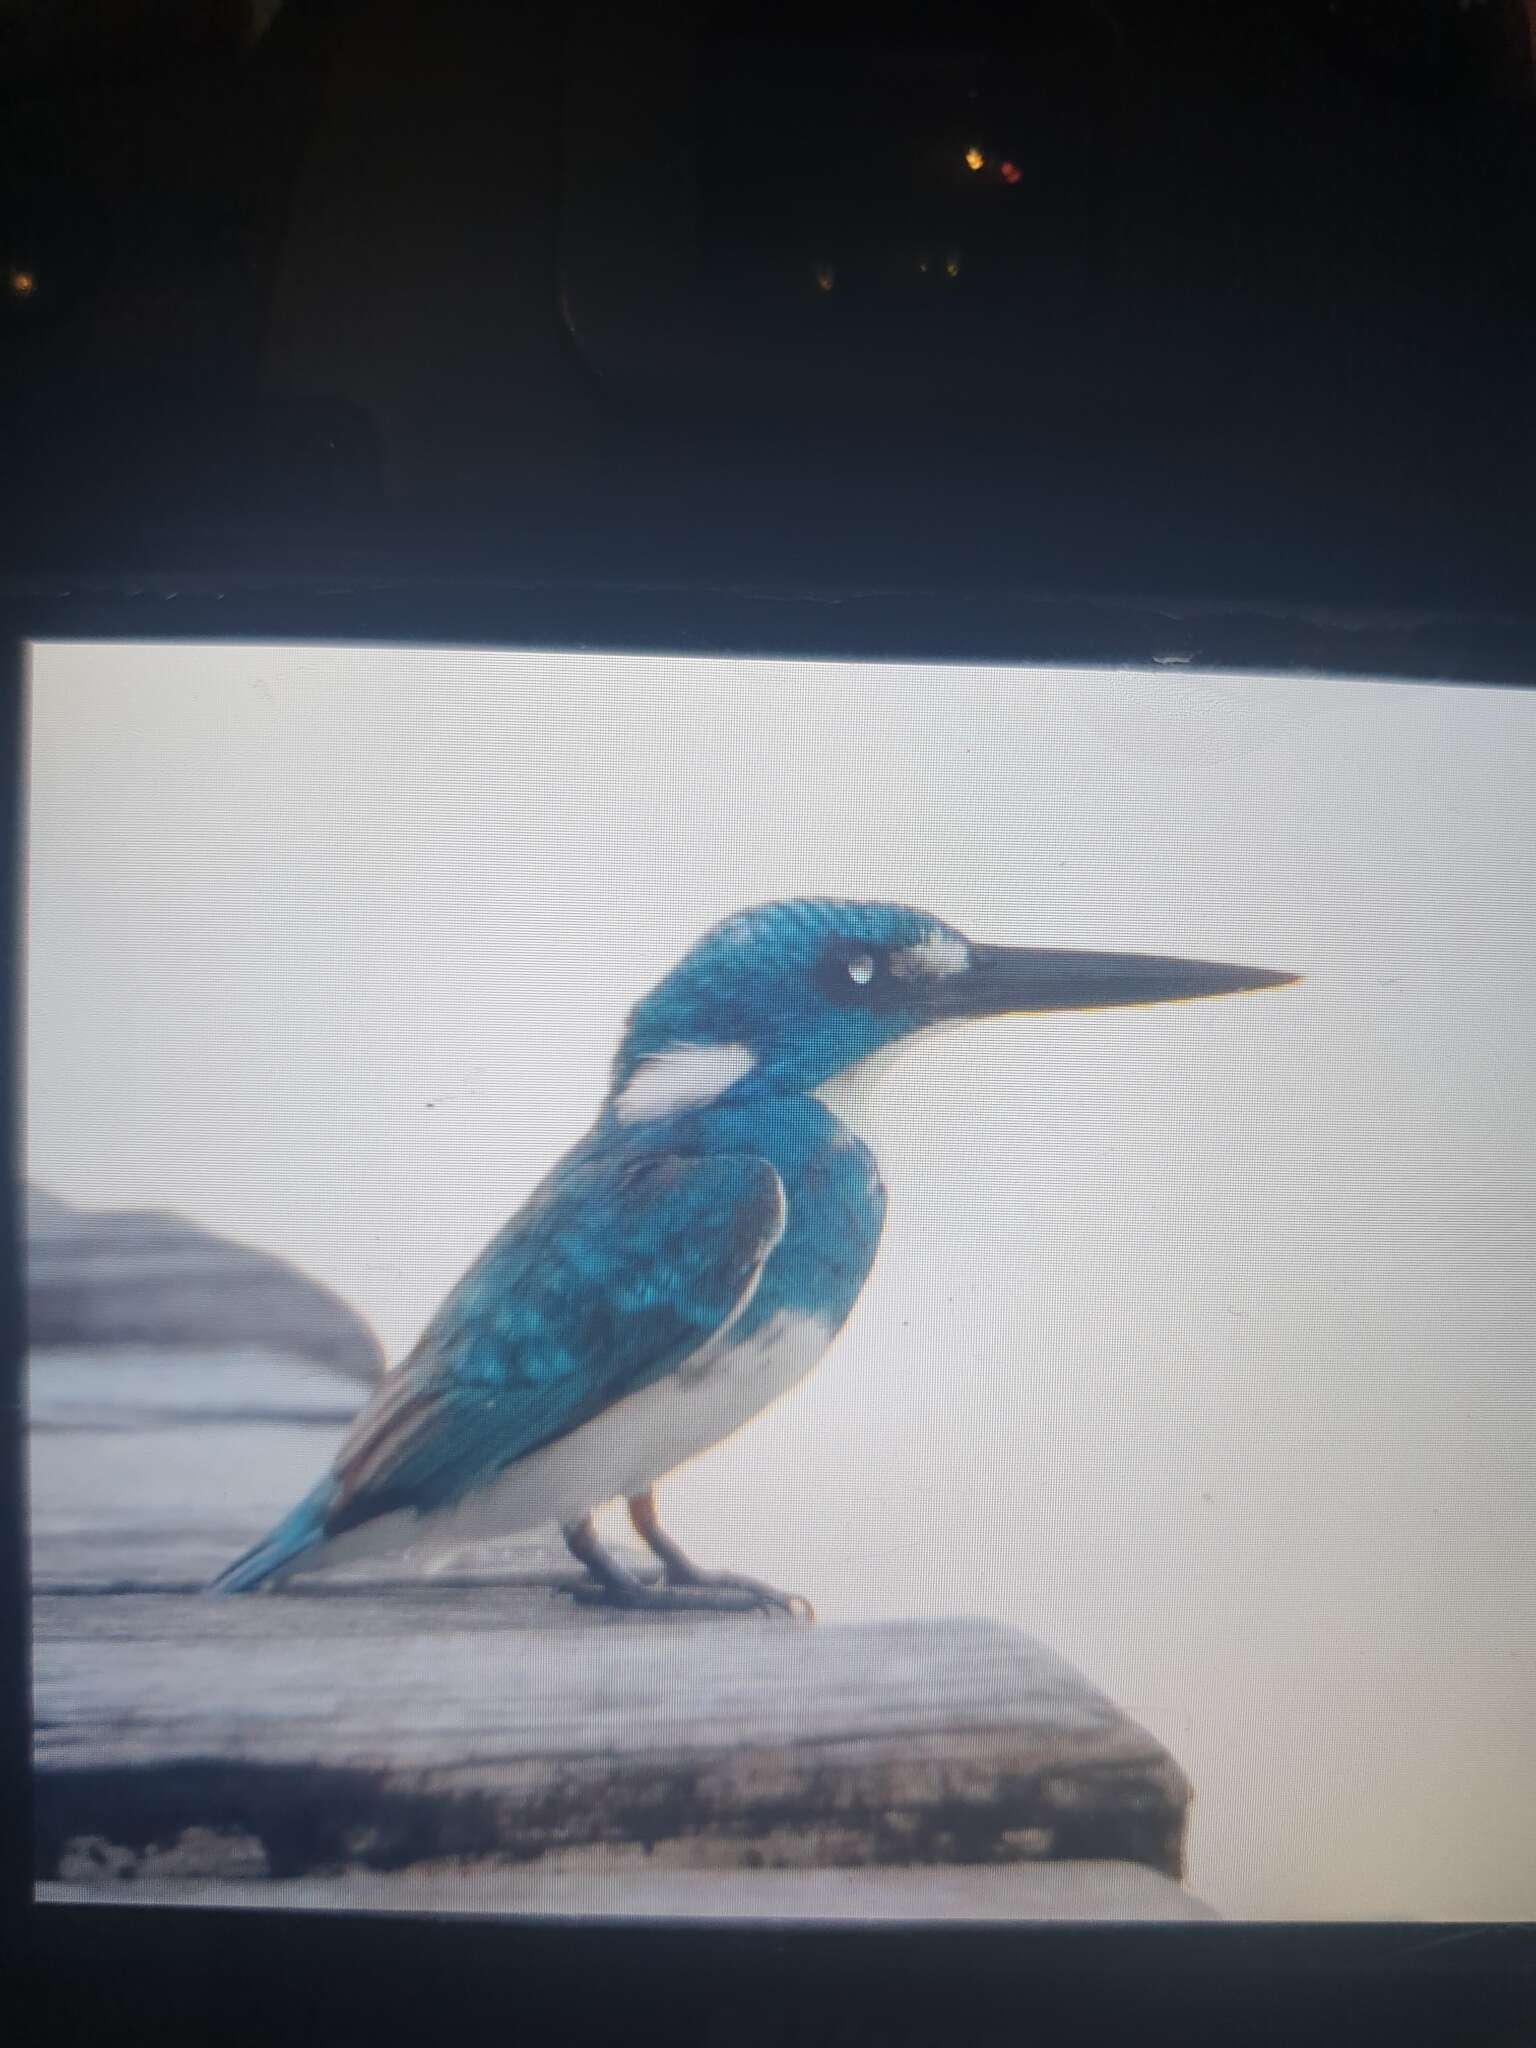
<point x="694" y="1254"/>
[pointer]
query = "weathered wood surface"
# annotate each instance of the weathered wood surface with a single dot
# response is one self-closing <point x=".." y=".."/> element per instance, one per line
<point x="114" y="1277"/>
<point x="150" y="1471"/>
<point x="467" y="1730"/>
<point x="323" y="1732"/>
<point x="154" y="1469"/>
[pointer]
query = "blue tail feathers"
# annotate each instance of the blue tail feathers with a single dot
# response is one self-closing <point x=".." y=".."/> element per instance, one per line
<point x="281" y="1548"/>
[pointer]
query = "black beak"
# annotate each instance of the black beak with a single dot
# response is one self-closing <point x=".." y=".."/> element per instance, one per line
<point x="1004" y="979"/>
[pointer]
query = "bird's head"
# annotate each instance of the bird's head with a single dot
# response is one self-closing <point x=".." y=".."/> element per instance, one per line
<point x="783" y="998"/>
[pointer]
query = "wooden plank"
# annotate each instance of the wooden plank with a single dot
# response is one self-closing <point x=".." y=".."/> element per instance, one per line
<point x="150" y="1471"/>
<point x="410" y="1723"/>
<point x="110" y="1278"/>
<point x="153" y="1468"/>
<point x="304" y="1734"/>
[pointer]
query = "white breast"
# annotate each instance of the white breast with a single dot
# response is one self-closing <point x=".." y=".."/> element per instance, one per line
<point x="620" y="1452"/>
<point x="638" y="1440"/>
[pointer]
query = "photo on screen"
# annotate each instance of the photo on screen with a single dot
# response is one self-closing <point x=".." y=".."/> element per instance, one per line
<point x="752" y="1289"/>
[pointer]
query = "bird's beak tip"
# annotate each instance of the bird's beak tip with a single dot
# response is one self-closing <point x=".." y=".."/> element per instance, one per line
<point x="1024" y="979"/>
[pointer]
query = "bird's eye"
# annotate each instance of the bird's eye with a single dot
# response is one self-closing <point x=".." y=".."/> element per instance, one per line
<point x="861" y="968"/>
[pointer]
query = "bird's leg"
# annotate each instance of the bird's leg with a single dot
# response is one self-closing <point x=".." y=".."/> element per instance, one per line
<point x="616" y="1586"/>
<point x="703" y="1592"/>
<point x="681" y="1570"/>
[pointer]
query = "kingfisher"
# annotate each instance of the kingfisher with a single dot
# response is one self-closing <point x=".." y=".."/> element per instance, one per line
<point x="692" y="1257"/>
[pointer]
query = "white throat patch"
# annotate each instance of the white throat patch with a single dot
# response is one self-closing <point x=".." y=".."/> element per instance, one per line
<point x="850" y="1095"/>
<point x="680" y="1078"/>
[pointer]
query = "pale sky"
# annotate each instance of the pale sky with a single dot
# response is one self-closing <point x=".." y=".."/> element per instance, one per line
<point x="1199" y="1343"/>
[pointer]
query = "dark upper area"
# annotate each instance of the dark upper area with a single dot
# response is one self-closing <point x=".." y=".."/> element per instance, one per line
<point x="1124" y="297"/>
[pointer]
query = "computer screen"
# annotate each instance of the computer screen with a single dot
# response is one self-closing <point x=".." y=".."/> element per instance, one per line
<point x="758" y="1289"/>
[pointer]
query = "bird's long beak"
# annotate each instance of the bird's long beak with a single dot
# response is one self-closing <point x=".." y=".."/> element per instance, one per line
<point x="1004" y="979"/>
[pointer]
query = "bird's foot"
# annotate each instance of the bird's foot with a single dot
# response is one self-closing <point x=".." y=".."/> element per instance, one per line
<point x="768" y="1598"/>
<point x="685" y="1589"/>
<point x="705" y="1593"/>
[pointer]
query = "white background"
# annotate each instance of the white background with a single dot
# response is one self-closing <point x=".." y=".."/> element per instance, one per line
<point x="1200" y="1339"/>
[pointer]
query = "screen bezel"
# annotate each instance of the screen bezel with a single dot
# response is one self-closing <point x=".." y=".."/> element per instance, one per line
<point x="223" y="1969"/>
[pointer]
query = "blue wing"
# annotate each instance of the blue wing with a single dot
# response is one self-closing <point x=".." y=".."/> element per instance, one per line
<point x="615" y="1272"/>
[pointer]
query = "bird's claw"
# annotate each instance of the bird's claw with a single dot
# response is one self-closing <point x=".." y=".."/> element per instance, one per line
<point x="756" y="1595"/>
<point x="709" y="1593"/>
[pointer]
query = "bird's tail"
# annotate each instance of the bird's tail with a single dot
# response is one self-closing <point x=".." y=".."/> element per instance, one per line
<point x="269" y="1562"/>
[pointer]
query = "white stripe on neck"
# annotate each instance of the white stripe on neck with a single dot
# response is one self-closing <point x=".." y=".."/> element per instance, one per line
<point x="682" y="1077"/>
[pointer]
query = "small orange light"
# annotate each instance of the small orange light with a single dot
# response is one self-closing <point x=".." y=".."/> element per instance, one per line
<point x="974" y="159"/>
<point x="952" y="263"/>
<point x="923" y="266"/>
<point x="1011" y="173"/>
<point x="826" y="277"/>
<point x="23" y="284"/>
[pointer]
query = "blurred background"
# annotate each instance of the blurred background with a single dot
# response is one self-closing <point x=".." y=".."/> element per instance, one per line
<point x="1129" y="295"/>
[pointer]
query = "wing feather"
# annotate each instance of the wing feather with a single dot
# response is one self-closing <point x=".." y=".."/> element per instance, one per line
<point x="616" y="1272"/>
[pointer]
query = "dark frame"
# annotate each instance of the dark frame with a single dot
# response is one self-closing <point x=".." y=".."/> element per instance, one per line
<point x="943" y="618"/>
<point x="207" y="1973"/>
